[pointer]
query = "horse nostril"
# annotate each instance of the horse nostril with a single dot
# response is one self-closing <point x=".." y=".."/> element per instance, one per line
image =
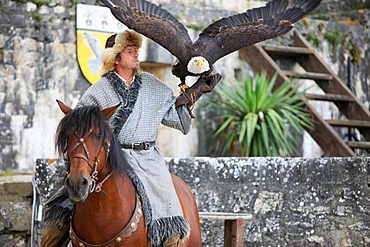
<point x="67" y="183"/>
<point x="76" y="185"/>
<point x="84" y="182"/>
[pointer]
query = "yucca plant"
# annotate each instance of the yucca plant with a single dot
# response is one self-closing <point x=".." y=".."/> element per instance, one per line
<point x="252" y="120"/>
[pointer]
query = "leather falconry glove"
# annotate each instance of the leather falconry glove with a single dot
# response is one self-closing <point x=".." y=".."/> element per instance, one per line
<point x="202" y="86"/>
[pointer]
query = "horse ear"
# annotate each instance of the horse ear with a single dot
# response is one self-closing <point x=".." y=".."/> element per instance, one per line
<point x="108" y="112"/>
<point x="65" y="109"/>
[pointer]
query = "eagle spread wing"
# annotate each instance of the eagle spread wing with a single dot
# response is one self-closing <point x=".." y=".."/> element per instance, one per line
<point x="255" y="25"/>
<point x="153" y="22"/>
<point x="220" y="38"/>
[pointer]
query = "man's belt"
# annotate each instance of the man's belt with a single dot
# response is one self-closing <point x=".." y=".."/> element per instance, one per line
<point x="138" y="145"/>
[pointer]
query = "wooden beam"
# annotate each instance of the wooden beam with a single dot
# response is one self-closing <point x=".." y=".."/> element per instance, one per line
<point x="234" y="233"/>
<point x="288" y="51"/>
<point x="317" y="65"/>
<point x="328" y="97"/>
<point x="359" y="145"/>
<point x="349" y="123"/>
<point x="234" y="226"/>
<point x="309" y="76"/>
<point x="329" y="140"/>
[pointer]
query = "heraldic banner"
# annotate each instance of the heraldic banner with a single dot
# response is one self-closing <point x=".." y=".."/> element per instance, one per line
<point x="94" y="25"/>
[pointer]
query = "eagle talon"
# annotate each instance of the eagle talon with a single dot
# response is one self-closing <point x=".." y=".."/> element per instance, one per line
<point x="183" y="87"/>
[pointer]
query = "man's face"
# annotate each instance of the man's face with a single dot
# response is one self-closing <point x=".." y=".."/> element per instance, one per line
<point x="129" y="58"/>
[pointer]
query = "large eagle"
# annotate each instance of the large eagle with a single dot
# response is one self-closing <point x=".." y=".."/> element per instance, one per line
<point x="219" y="39"/>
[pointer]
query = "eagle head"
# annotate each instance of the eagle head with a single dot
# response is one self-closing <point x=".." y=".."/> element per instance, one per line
<point x="198" y="65"/>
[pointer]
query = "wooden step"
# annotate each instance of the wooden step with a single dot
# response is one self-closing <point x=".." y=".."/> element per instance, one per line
<point x="329" y="97"/>
<point x="359" y="145"/>
<point x="309" y="76"/>
<point x="288" y="51"/>
<point x="349" y="123"/>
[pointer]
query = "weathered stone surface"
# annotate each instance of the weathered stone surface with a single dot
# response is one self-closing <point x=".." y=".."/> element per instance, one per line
<point x="293" y="201"/>
<point x="15" y="216"/>
<point x="15" y="211"/>
<point x="38" y="64"/>
<point x="13" y="241"/>
<point x="15" y="189"/>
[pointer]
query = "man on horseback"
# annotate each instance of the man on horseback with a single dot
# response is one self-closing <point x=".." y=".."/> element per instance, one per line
<point x="146" y="102"/>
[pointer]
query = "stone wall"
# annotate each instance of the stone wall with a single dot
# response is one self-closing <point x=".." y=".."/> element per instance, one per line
<point x="293" y="201"/>
<point x="15" y="211"/>
<point x="38" y="64"/>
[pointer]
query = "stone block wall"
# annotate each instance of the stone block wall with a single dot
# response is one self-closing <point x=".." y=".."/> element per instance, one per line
<point x="15" y="211"/>
<point x="38" y="64"/>
<point x="293" y="201"/>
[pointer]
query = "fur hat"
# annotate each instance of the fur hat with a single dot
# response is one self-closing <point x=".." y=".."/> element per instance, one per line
<point x="114" y="45"/>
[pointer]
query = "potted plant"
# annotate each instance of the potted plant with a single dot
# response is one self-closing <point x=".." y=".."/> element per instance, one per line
<point x="250" y="119"/>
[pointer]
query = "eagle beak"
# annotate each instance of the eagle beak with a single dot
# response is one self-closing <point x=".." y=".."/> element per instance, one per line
<point x="199" y="63"/>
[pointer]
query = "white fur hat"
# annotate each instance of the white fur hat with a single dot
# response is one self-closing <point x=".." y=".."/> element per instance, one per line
<point x="114" y="45"/>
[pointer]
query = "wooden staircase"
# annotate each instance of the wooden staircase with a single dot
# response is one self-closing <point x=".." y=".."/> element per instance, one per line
<point x="335" y="91"/>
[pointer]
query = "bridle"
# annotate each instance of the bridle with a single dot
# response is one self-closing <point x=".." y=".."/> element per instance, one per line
<point x="97" y="187"/>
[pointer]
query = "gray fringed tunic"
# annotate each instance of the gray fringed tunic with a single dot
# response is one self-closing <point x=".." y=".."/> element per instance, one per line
<point x="147" y="104"/>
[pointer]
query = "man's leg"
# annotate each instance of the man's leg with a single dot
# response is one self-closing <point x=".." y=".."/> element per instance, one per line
<point x="173" y="241"/>
<point x="55" y="236"/>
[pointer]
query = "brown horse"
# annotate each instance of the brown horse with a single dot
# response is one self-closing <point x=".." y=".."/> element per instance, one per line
<point x="108" y="209"/>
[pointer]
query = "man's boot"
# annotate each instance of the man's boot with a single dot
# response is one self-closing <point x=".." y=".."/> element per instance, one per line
<point x="55" y="236"/>
<point x="173" y="241"/>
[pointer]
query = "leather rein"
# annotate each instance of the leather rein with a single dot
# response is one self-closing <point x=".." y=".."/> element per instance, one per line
<point x="131" y="227"/>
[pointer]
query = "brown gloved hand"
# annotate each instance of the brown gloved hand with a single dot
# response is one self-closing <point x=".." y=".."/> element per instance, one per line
<point x="202" y="86"/>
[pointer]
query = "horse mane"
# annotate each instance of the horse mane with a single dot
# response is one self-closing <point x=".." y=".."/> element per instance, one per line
<point x="80" y="120"/>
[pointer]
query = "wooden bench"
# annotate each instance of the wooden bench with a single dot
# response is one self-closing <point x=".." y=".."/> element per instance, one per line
<point x="234" y="226"/>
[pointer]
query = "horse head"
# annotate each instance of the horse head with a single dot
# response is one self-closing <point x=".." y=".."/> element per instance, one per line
<point x="83" y="139"/>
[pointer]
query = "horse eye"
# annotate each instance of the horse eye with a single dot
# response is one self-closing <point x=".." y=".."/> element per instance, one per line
<point x="99" y="136"/>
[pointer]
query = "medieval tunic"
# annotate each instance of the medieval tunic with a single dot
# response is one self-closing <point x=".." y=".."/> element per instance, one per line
<point x="137" y="120"/>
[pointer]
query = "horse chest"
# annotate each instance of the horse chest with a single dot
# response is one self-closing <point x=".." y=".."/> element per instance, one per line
<point x="117" y="239"/>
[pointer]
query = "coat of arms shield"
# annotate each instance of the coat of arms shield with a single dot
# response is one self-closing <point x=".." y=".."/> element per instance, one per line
<point x="94" y="25"/>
